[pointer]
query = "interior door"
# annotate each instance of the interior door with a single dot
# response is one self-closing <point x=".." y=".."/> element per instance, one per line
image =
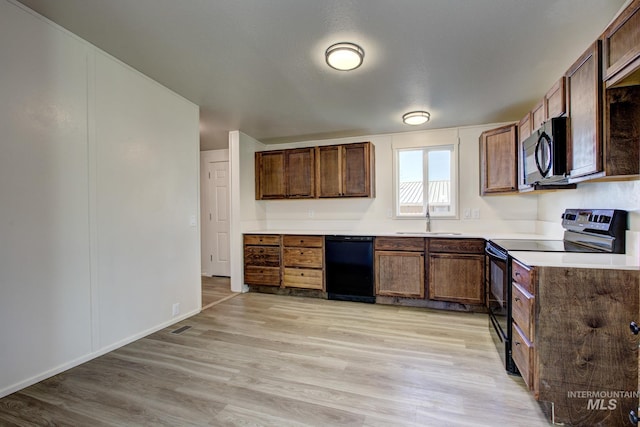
<point x="218" y="218"/>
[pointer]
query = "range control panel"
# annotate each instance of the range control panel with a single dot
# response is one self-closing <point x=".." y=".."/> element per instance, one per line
<point x="602" y="221"/>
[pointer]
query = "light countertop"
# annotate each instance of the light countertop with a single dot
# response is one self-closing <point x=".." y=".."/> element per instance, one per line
<point x="578" y="260"/>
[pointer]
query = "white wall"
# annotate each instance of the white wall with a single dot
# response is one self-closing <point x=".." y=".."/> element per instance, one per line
<point x="99" y="183"/>
<point x="246" y="213"/>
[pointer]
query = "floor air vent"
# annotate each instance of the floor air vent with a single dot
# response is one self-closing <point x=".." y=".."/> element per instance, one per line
<point x="181" y="330"/>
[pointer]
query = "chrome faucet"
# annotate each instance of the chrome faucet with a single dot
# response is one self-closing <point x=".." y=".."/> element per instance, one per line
<point x="428" y="220"/>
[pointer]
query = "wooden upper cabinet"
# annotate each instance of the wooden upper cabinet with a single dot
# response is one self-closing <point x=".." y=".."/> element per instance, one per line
<point x="537" y="116"/>
<point x="285" y="174"/>
<point x="346" y="170"/>
<point x="329" y="170"/>
<point x="499" y="160"/>
<point x="270" y="175"/>
<point x="300" y="171"/>
<point x="584" y="105"/>
<point x="555" y="104"/>
<point x="621" y="50"/>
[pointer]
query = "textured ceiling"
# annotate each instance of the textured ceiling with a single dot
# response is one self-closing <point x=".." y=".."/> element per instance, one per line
<point x="258" y="65"/>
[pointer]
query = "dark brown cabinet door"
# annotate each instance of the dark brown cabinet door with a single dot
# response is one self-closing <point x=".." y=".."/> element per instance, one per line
<point x="329" y="171"/>
<point x="300" y="171"/>
<point x="346" y="170"/>
<point x="270" y="175"/>
<point x="555" y="104"/>
<point x="499" y="160"/>
<point x="456" y="278"/>
<point x="399" y="274"/>
<point x="356" y="170"/>
<point x="584" y="96"/>
<point x="622" y="48"/>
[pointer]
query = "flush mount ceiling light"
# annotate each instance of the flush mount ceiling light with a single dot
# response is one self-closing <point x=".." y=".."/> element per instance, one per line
<point x="415" y="118"/>
<point x="344" y="56"/>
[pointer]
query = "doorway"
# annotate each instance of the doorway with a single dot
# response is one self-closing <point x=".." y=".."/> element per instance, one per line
<point x="215" y="248"/>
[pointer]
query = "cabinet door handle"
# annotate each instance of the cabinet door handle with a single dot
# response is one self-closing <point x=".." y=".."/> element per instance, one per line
<point x="518" y="273"/>
<point x="635" y="329"/>
<point x="517" y="342"/>
<point x="633" y="418"/>
<point x="517" y="299"/>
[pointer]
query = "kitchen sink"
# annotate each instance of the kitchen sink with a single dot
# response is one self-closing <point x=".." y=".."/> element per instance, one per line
<point x="430" y="233"/>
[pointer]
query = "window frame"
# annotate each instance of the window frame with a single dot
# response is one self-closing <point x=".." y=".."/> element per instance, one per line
<point x="425" y="146"/>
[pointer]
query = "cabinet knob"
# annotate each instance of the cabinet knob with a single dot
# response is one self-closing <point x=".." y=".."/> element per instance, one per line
<point x="301" y="274"/>
<point x="633" y="418"/>
<point x="635" y="329"/>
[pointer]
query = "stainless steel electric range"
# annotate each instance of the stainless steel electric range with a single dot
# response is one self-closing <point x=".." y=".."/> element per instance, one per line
<point x="586" y="230"/>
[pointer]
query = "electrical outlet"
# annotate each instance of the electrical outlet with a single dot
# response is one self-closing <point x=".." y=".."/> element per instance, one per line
<point x="475" y="213"/>
<point x="466" y="214"/>
<point x="175" y="310"/>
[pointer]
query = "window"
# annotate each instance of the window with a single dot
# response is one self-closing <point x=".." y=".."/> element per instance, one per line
<point x="426" y="178"/>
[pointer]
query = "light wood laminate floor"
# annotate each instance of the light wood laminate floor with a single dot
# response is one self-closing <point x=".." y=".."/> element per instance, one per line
<point x="215" y="289"/>
<point x="269" y="360"/>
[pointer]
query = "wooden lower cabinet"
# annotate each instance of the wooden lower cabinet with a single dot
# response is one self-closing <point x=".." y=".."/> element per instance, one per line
<point x="579" y="342"/>
<point x="399" y="274"/>
<point x="399" y="266"/>
<point x="303" y="261"/>
<point x="456" y="278"/>
<point x="456" y="270"/>
<point x="262" y="260"/>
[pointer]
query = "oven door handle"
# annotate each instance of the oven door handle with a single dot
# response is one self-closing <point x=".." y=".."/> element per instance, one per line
<point x="494" y="253"/>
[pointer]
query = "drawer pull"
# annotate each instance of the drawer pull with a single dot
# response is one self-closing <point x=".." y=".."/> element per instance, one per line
<point x="301" y="274"/>
<point x="635" y="329"/>
<point x="633" y="418"/>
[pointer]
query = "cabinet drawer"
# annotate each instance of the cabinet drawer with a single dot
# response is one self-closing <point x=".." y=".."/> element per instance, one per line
<point x="269" y="276"/>
<point x="458" y="246"/>
<point x="522" y="303"/>
<point x="302" y="278"/>
<point x="258" y="239"/>
<point x="264" y="256"/>
<point x="522" y="352"/>
<point x="522" y="276"/>
<point x="303" y="241"/>
<point x="399" y="244"/>
<point x="302" y="257"/>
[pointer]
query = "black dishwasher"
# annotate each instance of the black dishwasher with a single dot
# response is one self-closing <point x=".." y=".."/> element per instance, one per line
<point x="349" y="264"/>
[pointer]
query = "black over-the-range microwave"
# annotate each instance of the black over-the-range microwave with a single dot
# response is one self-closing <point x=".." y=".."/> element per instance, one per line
<point x="544" y="154"/>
